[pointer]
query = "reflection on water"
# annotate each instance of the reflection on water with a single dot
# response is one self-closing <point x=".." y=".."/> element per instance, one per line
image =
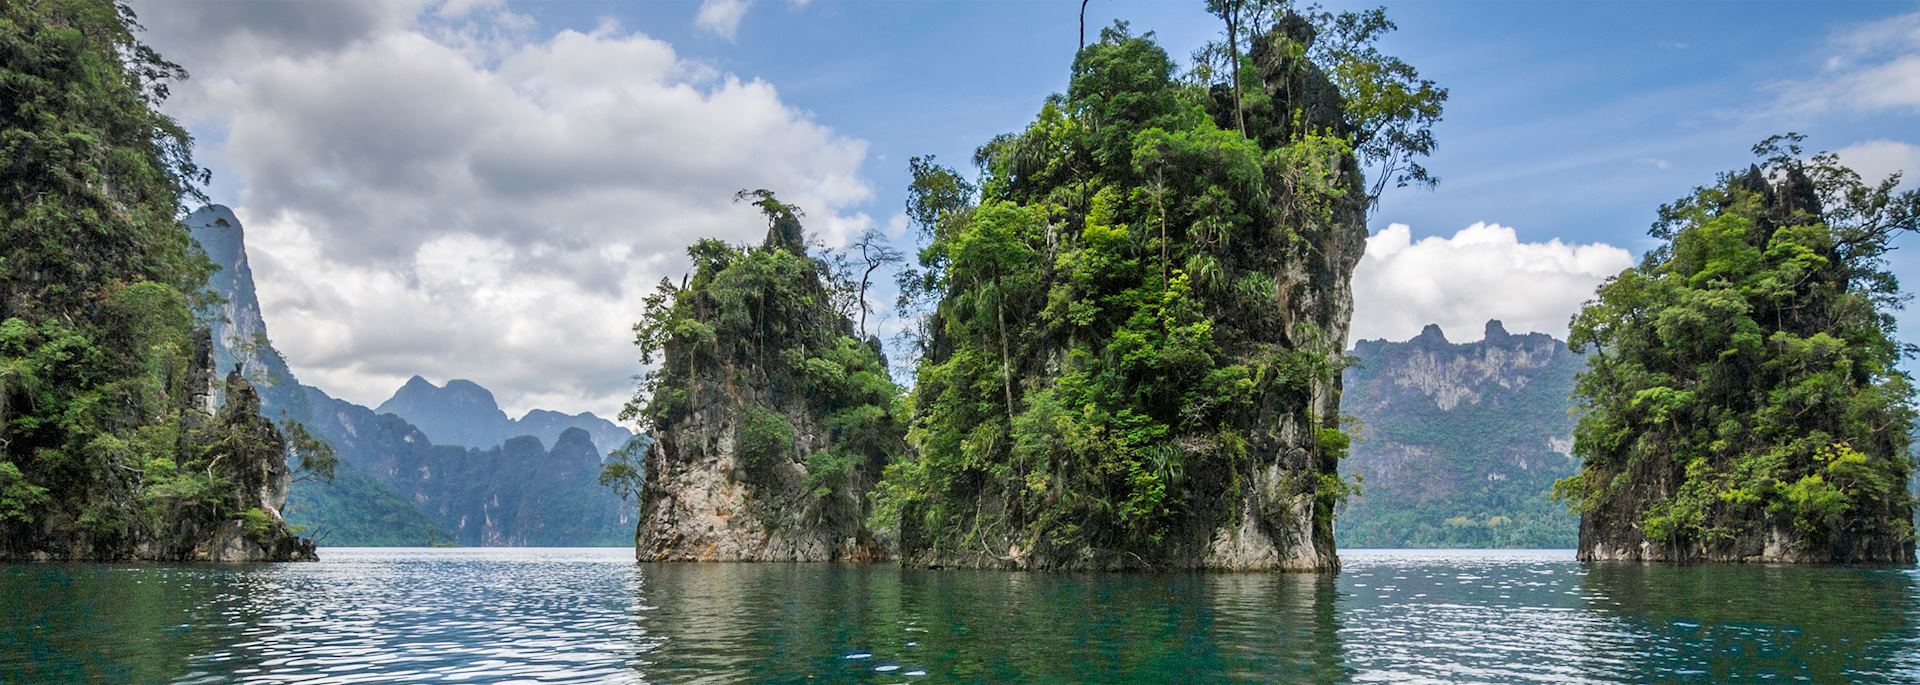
<point x="1758" y="623"/>
<point x="594" y="616"/>
<point x="853" y="622"/>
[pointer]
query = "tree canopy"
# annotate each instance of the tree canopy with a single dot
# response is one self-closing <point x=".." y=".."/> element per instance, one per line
<point x="1743" y="377"/>
<point x="103" y="381"/>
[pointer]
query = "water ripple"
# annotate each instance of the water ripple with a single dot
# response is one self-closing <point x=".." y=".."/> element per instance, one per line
<point x="593" y="616"/>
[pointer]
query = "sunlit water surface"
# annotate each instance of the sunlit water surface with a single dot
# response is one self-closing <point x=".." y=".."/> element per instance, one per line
<point x="592" y="615"/>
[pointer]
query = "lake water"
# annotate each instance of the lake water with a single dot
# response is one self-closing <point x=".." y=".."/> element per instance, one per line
<point x="592" y="615"/>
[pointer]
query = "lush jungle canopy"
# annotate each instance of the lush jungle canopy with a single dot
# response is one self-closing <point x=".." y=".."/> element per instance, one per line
<point x="110" y="449"/>
<point x="1743" y="399"/>
<point x="1137" y="314"/>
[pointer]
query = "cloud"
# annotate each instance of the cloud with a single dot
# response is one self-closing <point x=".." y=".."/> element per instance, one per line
<point x="722" y="17"/>
<point x="1871" y="67"/>
<point x="1482" y="272"/>
<point x="452" y="195"/>
<point x="1877" y="159"/>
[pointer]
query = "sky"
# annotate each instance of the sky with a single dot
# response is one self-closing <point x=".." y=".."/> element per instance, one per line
<point x="487" y="190"/>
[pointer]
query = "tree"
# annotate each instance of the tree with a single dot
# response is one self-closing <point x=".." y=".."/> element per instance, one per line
<point x="311" y="457"/>
<point x="938" y="201"/>
<point x="1394" y="109"/>
<point x="875" y="253"/>
<point x="625" y="470"/>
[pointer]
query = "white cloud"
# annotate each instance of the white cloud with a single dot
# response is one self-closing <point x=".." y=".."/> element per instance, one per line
<point x="449" y="196"/>
<point x="722" y="17"/>
<point x="1872" y="67"/>
<point x="1482" y="272"/>
<point x="1877" y="159"/>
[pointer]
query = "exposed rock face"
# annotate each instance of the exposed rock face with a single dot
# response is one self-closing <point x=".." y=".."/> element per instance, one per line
<point x="703" y="502"/>
<point x="238" y="329"/>
<point x="1460" y="443"/>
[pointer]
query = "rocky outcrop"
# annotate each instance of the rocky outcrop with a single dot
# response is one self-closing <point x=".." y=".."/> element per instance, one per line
<point x="1743" y="403"/>
<point x="773" y="421"/>
<point x="238" y="520"/>
<point x="705" y="500"/>
<point x="1134" y="359"/>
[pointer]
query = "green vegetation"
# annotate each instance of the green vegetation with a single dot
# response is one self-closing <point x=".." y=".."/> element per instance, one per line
<point x="1129" y="313"/>
<point x="1743" y="381"/>
<point x="355" y="510"/>
<point x="102" y="378"/>
<point x="756" y="329"/>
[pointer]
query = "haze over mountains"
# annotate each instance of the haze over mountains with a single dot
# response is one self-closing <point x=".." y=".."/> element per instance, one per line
<point x="463" y="413"/>
<point x="475" y="477"/>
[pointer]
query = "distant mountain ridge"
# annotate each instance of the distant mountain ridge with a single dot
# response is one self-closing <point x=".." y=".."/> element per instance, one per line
<point x="464" y="413"/>
<point x="518" y="494"/>
<point x="394" y="486"/>
<point x="354" y="509"/>
<point x="1459" y="444"/>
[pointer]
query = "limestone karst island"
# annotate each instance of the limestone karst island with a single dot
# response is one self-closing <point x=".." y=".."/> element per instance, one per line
<point x="1095" y="341"/>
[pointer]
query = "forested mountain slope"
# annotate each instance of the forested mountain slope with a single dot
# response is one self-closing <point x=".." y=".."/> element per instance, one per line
<point x="1460" y="444"/>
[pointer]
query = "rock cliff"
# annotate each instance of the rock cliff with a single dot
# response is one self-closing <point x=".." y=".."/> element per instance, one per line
<point x="772" y="420"/>
<point x="1134" y="359"/>
<point x="1744" y="400"/>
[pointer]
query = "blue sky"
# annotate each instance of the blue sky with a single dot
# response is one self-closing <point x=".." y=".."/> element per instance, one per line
<point x="446" y="156"/>
<point x="1567" y="119"/>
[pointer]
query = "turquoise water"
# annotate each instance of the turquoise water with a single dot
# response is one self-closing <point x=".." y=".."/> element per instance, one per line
<point x="592" y="615"/>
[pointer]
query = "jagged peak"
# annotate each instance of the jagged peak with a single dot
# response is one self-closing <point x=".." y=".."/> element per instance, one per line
<point x="1432" y="334"/>
<point x="1496" y="331"/>
<point x="418" y="382"/>
<point x="215" y="217"/>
